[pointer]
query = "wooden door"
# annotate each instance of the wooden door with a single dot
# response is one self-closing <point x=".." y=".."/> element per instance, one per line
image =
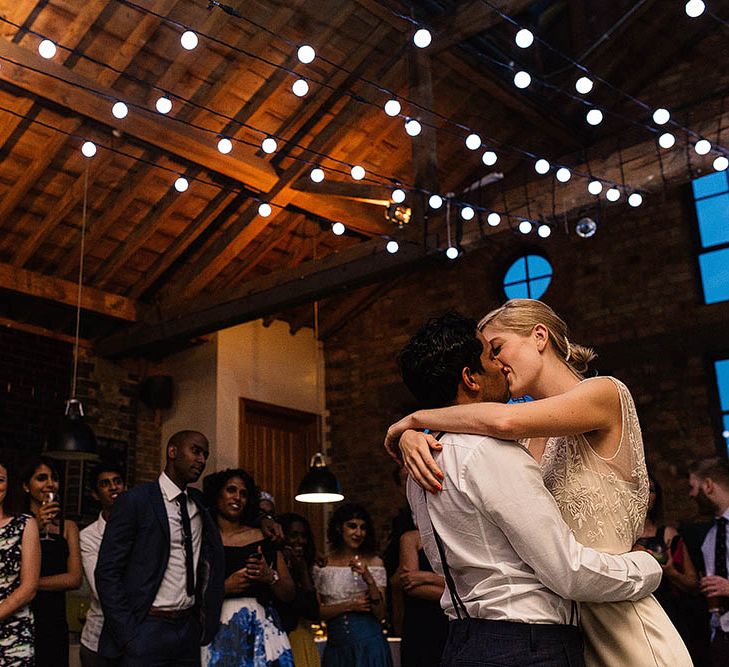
<point x="275" y="446"/>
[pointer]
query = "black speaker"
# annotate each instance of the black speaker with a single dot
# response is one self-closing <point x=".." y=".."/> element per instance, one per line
<point x="157" y="391"/>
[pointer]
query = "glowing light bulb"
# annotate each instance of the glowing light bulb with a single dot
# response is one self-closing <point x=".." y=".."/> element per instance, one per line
<point x="524" y="38"/>
<point x="541" y="166"/>
<point x="88" y="148"/>
<point x="661" y="116"/>
<point x="225" y="145"/>
<point x="467" y="213"/>
<point x="452" y="253"/>
<point x="189" y="40"/>
<point x="338" y="228"/>
<point x="264" y="209"/>
<point x="435" y="201"/>
<point x="635" y="199"/>
<point x="163" y="104"/>
<point x="544" y="231"/>
<point x="358" y="172"/>
<point x="422" y="38"/>
<point x="583" y="85"/>
<point x="721" y="163"/>
<point x="392" y="107"/>
<point x="613" y="194"/>
<point x="666" y="140"/>
<point x="594" y="116"/>
<point x="398" y="196"/>
<point x="181" y="184"/>
<point x="493" y="219"/>
<point x="392" y="247"/>
<point x="306" y="54"/>
<point x="694" y="8"/>
<point x="702" y="147"/>
<point x="413" y="127"/>
<point x="269" y="145"/>
<point x="525" y="226"/>
<point x="119" y="110"/>
<point x="563" y="174"/>
<point x="489" y="158"/>
<point x="47" y="49"/>
<point x="594" y="187"/>
<point x="522" y="79"/>
<point x="473" y="142"/>
<point x="300" y="87"/>
<point x="317" y="175"/>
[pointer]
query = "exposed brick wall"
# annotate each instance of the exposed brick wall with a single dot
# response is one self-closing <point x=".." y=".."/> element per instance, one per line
<point x="632" y="291"/>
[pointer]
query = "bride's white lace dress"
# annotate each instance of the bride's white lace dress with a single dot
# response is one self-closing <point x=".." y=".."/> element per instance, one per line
<point x="604" y="501"/>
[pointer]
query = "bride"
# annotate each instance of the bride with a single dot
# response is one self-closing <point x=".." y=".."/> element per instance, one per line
<point x="586" y="436"/>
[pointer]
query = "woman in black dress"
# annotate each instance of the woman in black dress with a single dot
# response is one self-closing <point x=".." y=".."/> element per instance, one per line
<point x="60" y="562"/>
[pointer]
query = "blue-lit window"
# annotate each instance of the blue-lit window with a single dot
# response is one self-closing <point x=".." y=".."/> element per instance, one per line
<point x="711" y="198"/>
<point x="528" y="277"/>
<point x="721" y="368"/>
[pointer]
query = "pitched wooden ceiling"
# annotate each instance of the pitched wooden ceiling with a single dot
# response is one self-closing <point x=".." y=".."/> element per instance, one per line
<point x="161" y="264"/>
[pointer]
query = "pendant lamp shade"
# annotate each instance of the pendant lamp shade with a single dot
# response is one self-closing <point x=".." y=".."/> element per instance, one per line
<point x="319" y="484"/>
<point x="72" y="439"/>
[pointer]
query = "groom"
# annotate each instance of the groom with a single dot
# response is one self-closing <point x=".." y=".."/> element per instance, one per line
<point x="512" y="565"/>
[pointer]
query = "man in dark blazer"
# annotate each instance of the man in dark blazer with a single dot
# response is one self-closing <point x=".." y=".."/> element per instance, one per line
<point x="160" y="573"/>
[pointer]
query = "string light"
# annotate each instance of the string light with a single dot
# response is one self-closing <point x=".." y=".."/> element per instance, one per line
<point x="635" y="199"/>
<point x="392" y="107"/>
<point x="306" y="54"/>
<point x="422" y="38"/>
<point x="358" y="172"/>
<point x="661" y="116"/>
<point x="317" y="174"/>
<point x="541" y="166"/>
<point x="694" y="8"/>
<point x="489" y="158"/>
<point x="525" y="226"/>
<point x="594" y="187"/>
<point x="338" y="228"/>
<point x="666" y="140"/>
<point x="613" y="194"/>
<point x="473" y="142"/>
<point x="47" y="49"/>
<point x="544" y="231"/>
<point x="563" y="174"/>
<point x="264" y="209"/>
<point x="398" y="196"/>
<point x="522" y="79"/>
<point x="181" y="184"/>
<point x="119" y="110"/>
<point x="452" y="253"/>
<point x="163" y="105"/>
<point x="225" y="145"/>
<point x="524" y="38"/>
<point x="583" y="85"/>
<point x="413" y="127"/>
<point x="300" y="87"/>
<point x="269" y="145"/>
<point x="493" y="219"/>
<point x="435" y="201"/>
<point x="721" y="163"/>
<point x="594" y="116"/>
<point x="392" y="247"/>
<point x="467" y="213"/>
<point x="702" y="147"/>
<point x="88" y="148"/>
<point x="189" y="40"/>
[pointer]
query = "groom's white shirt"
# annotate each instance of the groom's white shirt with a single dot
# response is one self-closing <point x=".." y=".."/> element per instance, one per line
<point x="512" y="556"/>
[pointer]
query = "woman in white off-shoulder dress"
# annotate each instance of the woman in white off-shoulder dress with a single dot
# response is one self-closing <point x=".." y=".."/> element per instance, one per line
<point x="586" y="436"/>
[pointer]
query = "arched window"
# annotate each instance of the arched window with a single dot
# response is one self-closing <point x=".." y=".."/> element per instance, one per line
<point x="528" y="277"/>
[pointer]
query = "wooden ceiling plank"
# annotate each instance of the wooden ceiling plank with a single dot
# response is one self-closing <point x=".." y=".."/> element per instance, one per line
<point x="348" y="308"/>
<point x="65" y="291"/>
<point x="363" y="192"/>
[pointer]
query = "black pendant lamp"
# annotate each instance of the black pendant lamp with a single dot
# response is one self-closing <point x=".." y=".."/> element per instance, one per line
<point x="319" y="484"/>
<point x="73" y="438"/>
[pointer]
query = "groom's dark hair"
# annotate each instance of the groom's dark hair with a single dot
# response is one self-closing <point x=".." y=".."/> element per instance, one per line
<point x="432" y="361"/>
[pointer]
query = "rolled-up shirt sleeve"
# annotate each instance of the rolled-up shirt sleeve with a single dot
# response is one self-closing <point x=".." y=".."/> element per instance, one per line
<point x="516" y="500"/>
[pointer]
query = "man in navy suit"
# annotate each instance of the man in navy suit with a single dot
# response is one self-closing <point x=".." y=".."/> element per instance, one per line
<point x="160" y="573"/>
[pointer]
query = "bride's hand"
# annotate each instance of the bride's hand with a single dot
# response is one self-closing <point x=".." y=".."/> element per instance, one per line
<point x="392" y="439"/>
<point x="416" y="447"/>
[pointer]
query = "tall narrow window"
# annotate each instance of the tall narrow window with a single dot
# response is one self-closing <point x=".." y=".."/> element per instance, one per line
<point x="711" y="199"/>
<point x="721" y="368"/>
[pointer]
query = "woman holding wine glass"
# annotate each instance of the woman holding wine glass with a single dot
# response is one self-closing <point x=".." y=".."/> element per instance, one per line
<point x="60" y="562"/>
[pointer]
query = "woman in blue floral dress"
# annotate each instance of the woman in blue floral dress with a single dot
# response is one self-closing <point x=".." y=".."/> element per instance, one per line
<point x="250" y="634"/>
<point x="19" y="574"/>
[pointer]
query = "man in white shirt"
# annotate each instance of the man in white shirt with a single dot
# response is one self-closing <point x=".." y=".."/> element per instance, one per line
<point x="512" y="565"/>
<point x="709" y="486"/>
<point x="107" y="483"/>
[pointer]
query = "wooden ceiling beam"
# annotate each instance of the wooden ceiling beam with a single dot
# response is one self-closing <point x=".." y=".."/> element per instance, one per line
<point x="64" y="291"/>
<point x="362" y="192"/>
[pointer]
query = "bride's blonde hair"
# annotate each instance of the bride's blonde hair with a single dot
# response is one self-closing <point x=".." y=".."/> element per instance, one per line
<point x="522" y="315"/>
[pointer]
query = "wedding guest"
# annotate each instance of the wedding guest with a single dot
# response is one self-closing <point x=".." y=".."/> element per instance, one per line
<point x="60" y="562"/>
<point x="107" y="483"/>
<point x="20" y="561"/>
<point x="250" y="632"/>
<point x="267" y="504"/>
<point x="351" y="592"/>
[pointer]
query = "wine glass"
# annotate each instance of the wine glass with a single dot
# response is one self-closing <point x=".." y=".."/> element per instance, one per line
<point x="48" y="498"/>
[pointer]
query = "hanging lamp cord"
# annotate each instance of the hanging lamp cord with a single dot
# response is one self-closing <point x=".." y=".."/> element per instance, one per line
<point x="80" y="282"/>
